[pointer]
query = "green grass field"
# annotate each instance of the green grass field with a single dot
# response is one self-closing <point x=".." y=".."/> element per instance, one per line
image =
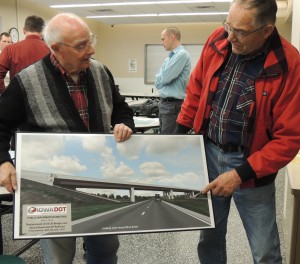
<point x="83" y="205"/>
<point x="197" y="205"/>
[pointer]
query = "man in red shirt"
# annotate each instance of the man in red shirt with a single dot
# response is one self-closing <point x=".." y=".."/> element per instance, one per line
<point x="5" y="40"/>
<point x="19" y="55"/>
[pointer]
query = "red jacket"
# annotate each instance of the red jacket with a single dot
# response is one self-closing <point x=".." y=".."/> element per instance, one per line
<point x="19" y="55"/>
<point x="273" y="133"/>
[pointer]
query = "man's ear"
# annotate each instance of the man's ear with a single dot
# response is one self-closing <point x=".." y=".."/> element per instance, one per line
<point x="268" y="30"/>
<point x="55" y="47"/>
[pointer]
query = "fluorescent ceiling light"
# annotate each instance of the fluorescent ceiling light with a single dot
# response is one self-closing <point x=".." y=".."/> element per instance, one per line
<point x="195" y="14"/>
<point x="153" y="15"/>
<point x="121" y="16"/>
<point x="141" y="3"/>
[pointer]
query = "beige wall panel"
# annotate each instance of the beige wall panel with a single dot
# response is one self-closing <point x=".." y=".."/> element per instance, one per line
<point x="118" y="44"/>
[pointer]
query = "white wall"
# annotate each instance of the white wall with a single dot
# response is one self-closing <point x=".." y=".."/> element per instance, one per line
<point x="295" y="38"/>
<point x="135" y="86"/>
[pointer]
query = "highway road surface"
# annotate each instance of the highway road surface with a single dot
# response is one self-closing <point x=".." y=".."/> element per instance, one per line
<point x="144" y="216"/>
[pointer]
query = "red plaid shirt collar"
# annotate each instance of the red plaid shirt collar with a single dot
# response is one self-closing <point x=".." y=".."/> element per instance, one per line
<point x="61" y="69"/>
<point x="77" y="90"/>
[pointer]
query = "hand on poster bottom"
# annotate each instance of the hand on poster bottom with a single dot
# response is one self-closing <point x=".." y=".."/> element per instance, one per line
<point x="122" y="132"/>
<point x="224" y="185"/>
<point x="8" y="177"/>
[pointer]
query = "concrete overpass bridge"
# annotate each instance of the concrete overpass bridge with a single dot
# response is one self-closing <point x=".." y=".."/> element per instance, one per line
<point x="73" y="182"/>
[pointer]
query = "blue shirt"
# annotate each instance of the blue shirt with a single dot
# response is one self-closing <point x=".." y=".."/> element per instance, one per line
<point x="173" y="75"/>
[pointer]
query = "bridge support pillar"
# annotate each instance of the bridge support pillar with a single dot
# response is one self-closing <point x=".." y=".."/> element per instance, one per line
<point x="171" y="195"/>
<point x="131" y="194"/>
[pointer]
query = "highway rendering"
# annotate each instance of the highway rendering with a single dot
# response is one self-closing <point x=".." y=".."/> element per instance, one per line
<point x="148" y="216"/>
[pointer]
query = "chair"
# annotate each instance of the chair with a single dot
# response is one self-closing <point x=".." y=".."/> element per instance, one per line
<point x="4" y="209"/>
<point x="8" y="209"/>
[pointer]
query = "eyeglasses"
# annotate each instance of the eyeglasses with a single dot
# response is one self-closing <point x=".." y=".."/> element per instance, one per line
<point x="239" y="33"/>
<point x="82" y="46"/>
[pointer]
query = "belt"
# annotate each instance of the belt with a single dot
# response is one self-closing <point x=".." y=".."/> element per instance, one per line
<point x="229" y="147"/>
<point x="171" y="99"/>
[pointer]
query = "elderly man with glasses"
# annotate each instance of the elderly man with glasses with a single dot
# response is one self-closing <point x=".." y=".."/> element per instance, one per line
<point x="68" y="92"/>
<point x="243" y="96"/>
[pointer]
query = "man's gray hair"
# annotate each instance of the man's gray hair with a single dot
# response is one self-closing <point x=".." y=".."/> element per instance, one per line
<point x="53" y="32"/>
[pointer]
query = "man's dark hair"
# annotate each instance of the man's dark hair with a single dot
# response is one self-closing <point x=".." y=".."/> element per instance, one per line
<point x="5" y="34"/>
<point x="265" y="9"/>
<point x="34" y="24"/>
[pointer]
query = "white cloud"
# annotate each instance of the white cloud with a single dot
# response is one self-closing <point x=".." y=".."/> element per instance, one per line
<point x="65" y="164"/>
<point x="170" y="145"/>
<point x="186" y="180"/>
<point x="40" y="146"/>
<point x="96" y="144"/>
<point x="37" y="149"/>
<point x="131" y="148"/>
<point x="155" y="144"/>
<point x="111" y="170"/>
<point x="42" y="153"/>
<point x="153" y="169"/>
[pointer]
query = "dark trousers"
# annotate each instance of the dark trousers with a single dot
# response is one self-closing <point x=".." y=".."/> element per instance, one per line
<point x="168" y="112"/>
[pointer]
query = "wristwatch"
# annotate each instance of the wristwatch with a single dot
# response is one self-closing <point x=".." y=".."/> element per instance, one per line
<point x="14" y="33"/>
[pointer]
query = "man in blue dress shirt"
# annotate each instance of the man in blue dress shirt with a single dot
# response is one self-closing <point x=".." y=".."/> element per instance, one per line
<point x="171" y="79"/>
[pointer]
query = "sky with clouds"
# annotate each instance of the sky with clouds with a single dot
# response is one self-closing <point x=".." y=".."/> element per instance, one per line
<point x="173" y="160"/>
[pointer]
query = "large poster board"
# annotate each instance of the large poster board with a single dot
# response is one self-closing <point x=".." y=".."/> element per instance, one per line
<point x="87" y="184"/>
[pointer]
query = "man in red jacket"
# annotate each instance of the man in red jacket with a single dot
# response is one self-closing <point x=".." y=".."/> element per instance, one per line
<point x="244" y="95"/>
<point x="5" y="40"/>
<point x="19" y="55"/>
